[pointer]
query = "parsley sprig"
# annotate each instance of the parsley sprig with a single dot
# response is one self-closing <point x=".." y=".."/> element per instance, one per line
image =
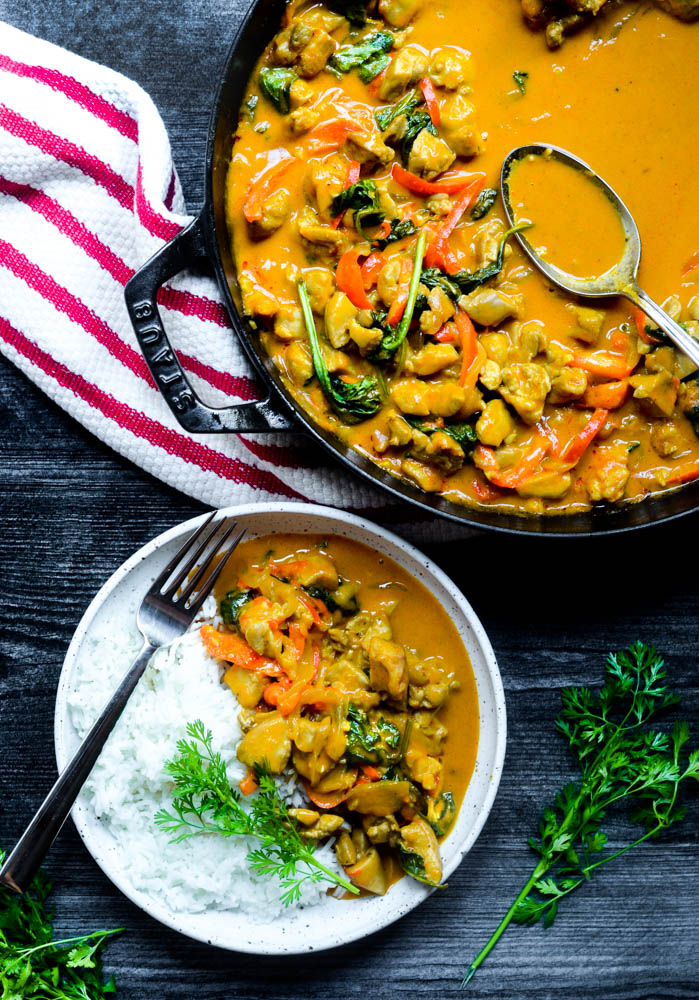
<point x="35" y="967"/>
<point x="204" y="802"/>
<point x="619" y="762"/>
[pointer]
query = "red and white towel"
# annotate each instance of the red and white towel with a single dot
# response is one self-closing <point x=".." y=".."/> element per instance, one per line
<point x="88" y="192"/>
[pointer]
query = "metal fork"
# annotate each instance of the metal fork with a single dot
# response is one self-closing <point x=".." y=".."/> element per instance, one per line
<point x="166" y="612"/>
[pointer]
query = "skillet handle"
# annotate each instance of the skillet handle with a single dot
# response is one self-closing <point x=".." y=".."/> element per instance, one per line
<point x="186" y="249"/>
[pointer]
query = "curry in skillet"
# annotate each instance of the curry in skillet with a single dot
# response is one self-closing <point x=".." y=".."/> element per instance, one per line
<point x="373" y="255"/>
<point x="352" y="680"/>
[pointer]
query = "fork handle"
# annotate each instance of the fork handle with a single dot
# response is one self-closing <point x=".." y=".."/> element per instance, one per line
<point x="26" y="859"/>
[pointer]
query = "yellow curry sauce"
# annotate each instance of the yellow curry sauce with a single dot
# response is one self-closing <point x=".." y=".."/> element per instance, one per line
<point x="349" y="672"/>
<point x="508" y="395"/>
<point x="559" y="236"/>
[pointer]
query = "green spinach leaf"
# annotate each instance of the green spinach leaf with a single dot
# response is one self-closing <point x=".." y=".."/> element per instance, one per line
<point x="275" y="83"/>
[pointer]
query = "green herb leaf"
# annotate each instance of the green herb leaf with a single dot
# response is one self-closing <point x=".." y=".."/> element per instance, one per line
<point x="349" y="56"/>
<point x="520" y="78"/>
<point x="441" y="813"/>
<point x="362" y="199"/>
<point x="372" y="67"/>
<point x="620" y="762"/>
<point x="232" y="604"/>
<point x="275" y="83"/>
<point x="394" y="339"/>
<point x="463" y="434"/>
<point x="204" y="802"/>
<point x="386" y="115"/>
<point x="415" y="122"/>
<point x="377" y="743"/>
<point x="400" y="229"/>
<point x="484" y="202"/>
<point x="351" y="401"/>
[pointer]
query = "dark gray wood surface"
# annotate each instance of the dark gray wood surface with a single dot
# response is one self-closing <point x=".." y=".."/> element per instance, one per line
<point x="72" y="511"/>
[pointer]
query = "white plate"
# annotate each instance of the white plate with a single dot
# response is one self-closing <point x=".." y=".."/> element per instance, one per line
<point x="334" y="922"/>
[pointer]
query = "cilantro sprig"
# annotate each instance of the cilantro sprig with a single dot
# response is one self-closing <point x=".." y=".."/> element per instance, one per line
<point x="620" y="762"/>
<point x="35" y="967"/>
<point x="204" y="802"/>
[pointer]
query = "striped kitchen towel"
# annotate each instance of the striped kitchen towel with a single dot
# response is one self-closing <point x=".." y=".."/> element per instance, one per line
<point x="88" y="192"/>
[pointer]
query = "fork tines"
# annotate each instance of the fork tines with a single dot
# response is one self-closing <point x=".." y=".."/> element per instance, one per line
<point x="206" y="552"/>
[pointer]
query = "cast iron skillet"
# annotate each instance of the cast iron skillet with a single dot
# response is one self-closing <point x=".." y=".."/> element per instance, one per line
<point x="206" y="241"/>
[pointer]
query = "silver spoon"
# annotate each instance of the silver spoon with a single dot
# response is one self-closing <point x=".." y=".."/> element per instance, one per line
<point x="620" y="279"/>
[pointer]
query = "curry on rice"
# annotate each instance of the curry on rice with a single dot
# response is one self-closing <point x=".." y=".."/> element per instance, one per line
<point x="373" y="255"/>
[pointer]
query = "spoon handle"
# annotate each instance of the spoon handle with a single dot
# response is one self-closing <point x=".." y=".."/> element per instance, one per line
<point x="659" y="317"/>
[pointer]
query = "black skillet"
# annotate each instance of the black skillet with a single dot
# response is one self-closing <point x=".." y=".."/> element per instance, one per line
<point x="205" y="242"/>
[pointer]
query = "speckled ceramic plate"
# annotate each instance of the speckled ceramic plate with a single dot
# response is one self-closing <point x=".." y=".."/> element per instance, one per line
<point x="334" y="922"/>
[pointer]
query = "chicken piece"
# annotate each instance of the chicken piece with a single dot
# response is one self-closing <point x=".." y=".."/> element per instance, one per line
<point x="430" y="696"/>
<point x="387" y="669"/>
<point x="275" y="212"/>
<point x="657" y="393"/>
<point x="398" y="13"/>
<point x="363" y="626"/>
<point x="525" y="387"/>
<point x="497" y="347"/>
<point x="314" y="231"/>
<point x="339" y="312"/>
<point x="381" y="829"/>
<point x="325" y="180"/>
<point x="487" y="241"/>
<point x="569" y="384"/>
<point x="312" y="766"/>
<point x="441" y="309"/>
<point x="408" y="66"/>
<point x="367" y="339"/>
<point x="429" y="156"/>
<point x="400" y="430"/>
<point x="607" y="472"/>
<point x="320" y="283"/>
<point x="321" y="17"/>
<point x="439" y="205"/>
<point x="368" y="148"/>
<point x="388" y="280"/>
<point x="255" y="624"/>
<point x="288" y="324"/>
<point x="667" y="439"/>
<point x="316" y="569"/>
<point x="432" y="729"/>
<point x="421" y="399"/>
<point x="379" y="798"/>
<point x="246" y="685"/>
<point x="423" y="770"/>
<point x="550" y="485"/>
<point x="268" y="742"/>
<point x="686" y="10"/>
<point x="490" y="306"/>
<point x="313" y="825"/>
<point x="458" y="124"/>
<point x="315" y="52"/>
<point x="419" y="838"/>
<point x="451" y="68"/>
<point x="490" y="375"/>
<point x="427" y="478"/>
<point x="310" y="735"/>
<point x="299" y="363"/>
<point x="525" y="341"/>
<point x="368" y="873"/>
<point x="438" y="449"/>
<point x="588" y="322"/>
<point x="303" y="119"/>
<point x="494" y="424"/>
<point x="661" y="359"/>
<point x="558" y="28"/>
<point x="432" y="358"/>
<point x="345" y="851"/>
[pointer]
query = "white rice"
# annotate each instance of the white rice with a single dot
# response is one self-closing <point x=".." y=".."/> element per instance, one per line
<point x="128" y="784"/>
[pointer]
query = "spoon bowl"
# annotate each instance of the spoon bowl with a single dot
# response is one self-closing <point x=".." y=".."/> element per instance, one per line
<point x="618" y="280"/>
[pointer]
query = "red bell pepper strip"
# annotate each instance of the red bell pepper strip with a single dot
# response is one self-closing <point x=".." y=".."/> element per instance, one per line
<point x="469" y="343"/>
<point x="439" y="253"/>
<point x="683" y="474"/>
<point x="371" y="772"/>
<point x="330" y="135"/>
<point x="232" y="647"/>
<point x="610" y="395"/>
<point x="639" y="318"/>
<point x="576" y="448"/>
<point x="261" y="186"/>
<point x="600" y="363"/>
<point x="484" y="458"/>
<point x="445" y="334"/>
<point x="371" y="268"/>
<point x="428" y="93"/>
<point x="289" y="699"/>
<point x="349" y="278"/>
<point x="353" y="171"/>
<point x="298" y="639"/>
<point x="447" y="185"/>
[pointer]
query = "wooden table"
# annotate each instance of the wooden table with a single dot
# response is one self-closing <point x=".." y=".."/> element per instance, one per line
<point x="72" y="511"/>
